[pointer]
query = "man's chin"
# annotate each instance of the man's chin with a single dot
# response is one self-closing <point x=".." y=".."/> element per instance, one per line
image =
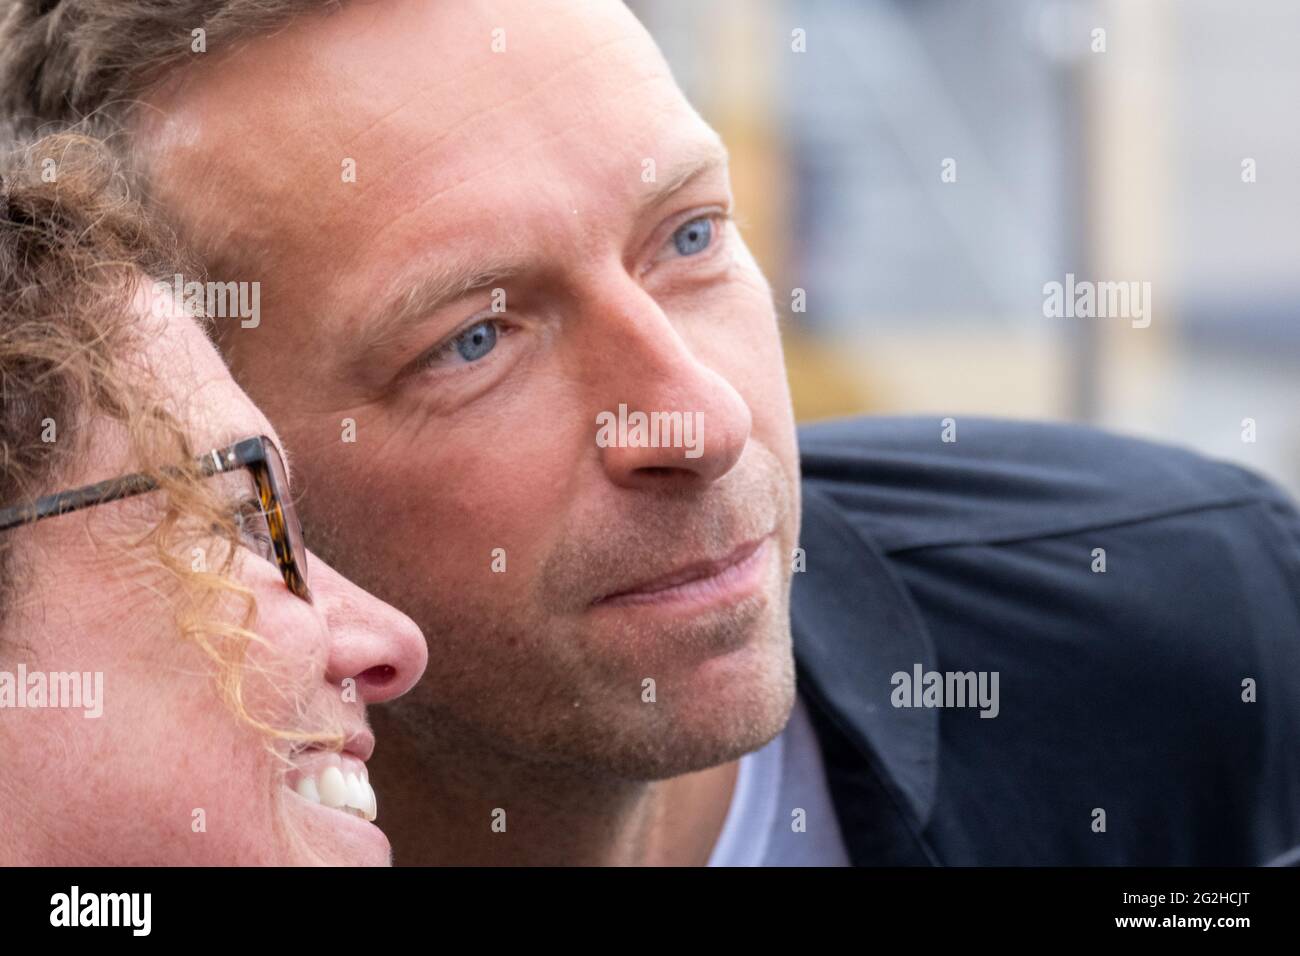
<point x="711" y="713"/>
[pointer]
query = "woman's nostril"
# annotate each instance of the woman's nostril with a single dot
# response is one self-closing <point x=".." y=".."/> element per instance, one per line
<point x="379" y="675"/>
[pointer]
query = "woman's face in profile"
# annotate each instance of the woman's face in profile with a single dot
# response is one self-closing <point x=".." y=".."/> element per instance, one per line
<point x="166" y="774"/>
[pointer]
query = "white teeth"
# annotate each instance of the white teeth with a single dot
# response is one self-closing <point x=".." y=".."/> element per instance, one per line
<point x="333" y="788"/>
<point x="350" y="793"/>
<point x="361" y="797"/>
<point x="307" y="790"/>
<point x="357" y="793"/>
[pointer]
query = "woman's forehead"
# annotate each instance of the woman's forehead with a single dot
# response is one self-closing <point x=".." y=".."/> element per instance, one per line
<point x="193" y="377"/>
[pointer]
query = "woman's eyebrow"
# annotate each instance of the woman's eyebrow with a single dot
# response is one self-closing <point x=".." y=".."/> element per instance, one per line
<point x="285" y="457"/>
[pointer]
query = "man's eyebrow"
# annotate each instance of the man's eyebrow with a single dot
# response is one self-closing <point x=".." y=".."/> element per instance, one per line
<point x="445" y="284"/>
<point x="704" y="157"/>
<point x="466" y="274"/>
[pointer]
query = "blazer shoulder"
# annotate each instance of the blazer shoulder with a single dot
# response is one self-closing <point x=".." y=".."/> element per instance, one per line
<point x="919" y="482"/>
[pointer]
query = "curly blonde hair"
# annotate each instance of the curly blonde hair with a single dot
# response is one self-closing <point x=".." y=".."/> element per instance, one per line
<point x="65" y="61"/>
<point x="74" y="246"/>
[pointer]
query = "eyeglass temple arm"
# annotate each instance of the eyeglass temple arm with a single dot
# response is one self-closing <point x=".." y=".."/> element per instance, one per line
<point x="66" y="502"/>
<point x="114" y="489"/>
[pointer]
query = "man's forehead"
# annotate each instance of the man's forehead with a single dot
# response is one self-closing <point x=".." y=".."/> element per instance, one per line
<point x="374" y="72"/>
<point x="414" y="112"/>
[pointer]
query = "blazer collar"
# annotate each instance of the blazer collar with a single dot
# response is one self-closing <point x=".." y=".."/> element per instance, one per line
<point x="854" y="626"/>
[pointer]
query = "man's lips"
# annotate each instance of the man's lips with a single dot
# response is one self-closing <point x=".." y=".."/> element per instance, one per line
<point x="690" y="579"/>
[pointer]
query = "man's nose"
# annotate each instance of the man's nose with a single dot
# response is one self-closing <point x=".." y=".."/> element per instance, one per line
<point x="371" y="642"/>
<point x="665" y="416"/>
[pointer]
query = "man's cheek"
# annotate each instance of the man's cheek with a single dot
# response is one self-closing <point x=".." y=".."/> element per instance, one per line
<point x="479" y="521"/>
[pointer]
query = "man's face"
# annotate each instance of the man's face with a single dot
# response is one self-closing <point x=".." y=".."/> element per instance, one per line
<point x="536" y="235"/>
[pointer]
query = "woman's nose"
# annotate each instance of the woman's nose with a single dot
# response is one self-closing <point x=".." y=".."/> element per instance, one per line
<point x="371" y="642"/>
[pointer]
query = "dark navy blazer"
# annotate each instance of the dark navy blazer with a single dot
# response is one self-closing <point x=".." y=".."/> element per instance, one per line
<point x="1119" y="691"/>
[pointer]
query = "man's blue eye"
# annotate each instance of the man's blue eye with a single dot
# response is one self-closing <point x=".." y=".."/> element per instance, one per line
<point x="694" y="237"/>
<point x="476" y="341"/>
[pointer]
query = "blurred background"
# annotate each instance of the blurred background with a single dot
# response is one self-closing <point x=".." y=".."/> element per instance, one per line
<point x="1118" y="140"/>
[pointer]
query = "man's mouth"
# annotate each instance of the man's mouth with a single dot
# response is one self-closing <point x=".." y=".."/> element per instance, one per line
<point x="335" y="780"/>
<point x="696" y="580"/>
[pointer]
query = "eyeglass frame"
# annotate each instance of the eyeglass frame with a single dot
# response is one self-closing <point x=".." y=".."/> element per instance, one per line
<point x="258" y="454"/>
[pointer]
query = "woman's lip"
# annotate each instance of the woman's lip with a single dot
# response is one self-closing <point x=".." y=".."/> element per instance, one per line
<point x="360" y="743"/>
<point x="698" y="581"/>
<point x="352" y="830"/>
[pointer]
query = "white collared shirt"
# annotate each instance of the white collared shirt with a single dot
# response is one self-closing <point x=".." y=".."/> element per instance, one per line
<point x="773" y="782"/>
